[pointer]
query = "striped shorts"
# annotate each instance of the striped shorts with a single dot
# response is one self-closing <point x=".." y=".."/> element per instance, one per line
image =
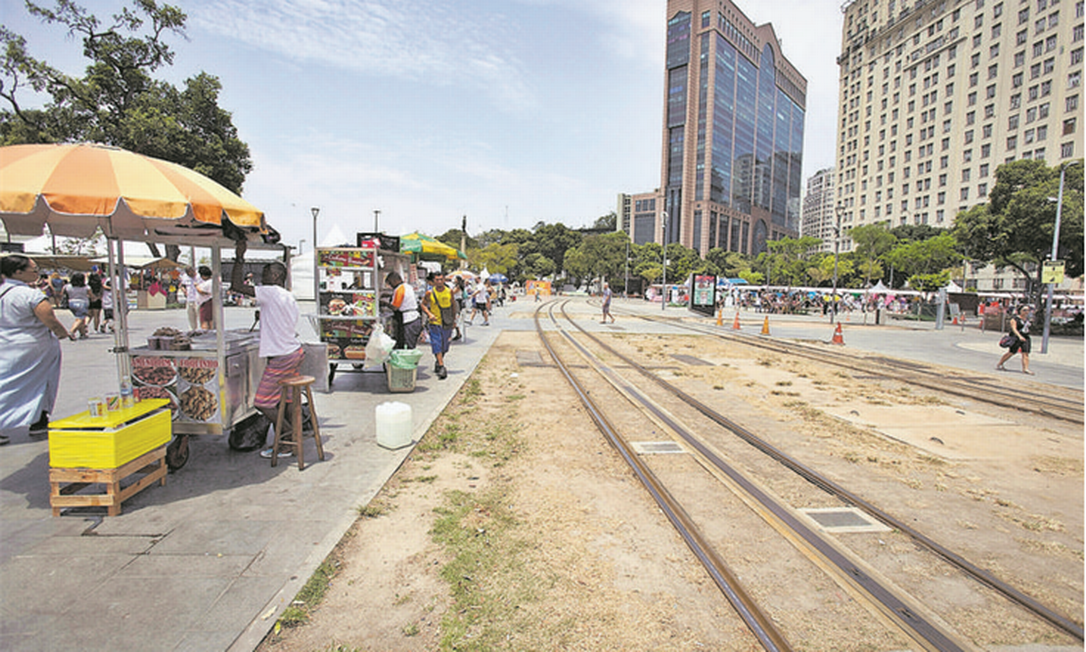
<point x="278" y="368"/>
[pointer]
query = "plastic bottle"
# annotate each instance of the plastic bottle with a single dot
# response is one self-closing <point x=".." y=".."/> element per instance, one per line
<point x="128" y="399"/>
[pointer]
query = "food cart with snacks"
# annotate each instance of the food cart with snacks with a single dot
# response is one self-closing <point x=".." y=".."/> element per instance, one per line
<point x="208" y="380"/>
<point x="351" y="298"/>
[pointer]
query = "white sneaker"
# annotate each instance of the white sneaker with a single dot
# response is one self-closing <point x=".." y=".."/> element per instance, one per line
<point x="267" y="453"/>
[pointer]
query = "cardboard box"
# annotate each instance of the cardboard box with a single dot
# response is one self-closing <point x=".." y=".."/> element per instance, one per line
<point x="110" y="441"/>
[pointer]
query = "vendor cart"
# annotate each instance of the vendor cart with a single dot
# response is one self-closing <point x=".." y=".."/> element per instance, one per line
<point x="351" y="298"/>
<point x="79" y="189"/>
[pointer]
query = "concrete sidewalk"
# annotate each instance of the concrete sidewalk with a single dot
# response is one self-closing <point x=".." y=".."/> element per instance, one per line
<point x="210" y="560"/>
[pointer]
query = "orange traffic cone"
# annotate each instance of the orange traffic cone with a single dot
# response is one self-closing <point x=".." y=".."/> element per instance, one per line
<point x="765" y="326"/>
<point x="720" y="317"/>
<point x="955" y="322"/>
<point x="838" y="338"/>
<point x="735" y="324"/>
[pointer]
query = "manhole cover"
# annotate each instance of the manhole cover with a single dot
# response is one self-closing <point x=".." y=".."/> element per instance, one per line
<point x="843" y="519"/>
<point x="656" y="447"/>
<point x="529" y="359"/>
<point x="689" y="359"/>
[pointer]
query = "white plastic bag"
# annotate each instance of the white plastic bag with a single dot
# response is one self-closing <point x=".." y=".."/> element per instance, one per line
<point x="379" y="348"/>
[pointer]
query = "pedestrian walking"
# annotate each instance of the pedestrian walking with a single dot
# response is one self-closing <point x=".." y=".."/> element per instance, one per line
<point x="480" y="302"/>
<point x="94" y="308"/>
<point x="441" y="310"/>
<point x="192" y="298"/>
<point x="607" y="304"/>
<point x="1020" y="324"/>
<point x="29" y="348"/>
<point x="278" y="341"/>
<point x="78" y="300"/>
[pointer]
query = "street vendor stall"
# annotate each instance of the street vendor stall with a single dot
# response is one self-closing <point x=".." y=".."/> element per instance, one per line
<point x="208" y="379"/>
<point x="349" y="302"/>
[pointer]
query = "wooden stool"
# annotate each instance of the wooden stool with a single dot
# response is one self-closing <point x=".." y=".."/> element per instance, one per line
<point x="295" y="386"/>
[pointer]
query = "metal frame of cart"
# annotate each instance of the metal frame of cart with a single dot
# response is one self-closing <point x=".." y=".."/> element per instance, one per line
<point x="350" y="297"/>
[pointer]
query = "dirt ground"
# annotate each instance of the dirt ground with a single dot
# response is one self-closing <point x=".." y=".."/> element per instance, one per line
<point x="585" y="559"/>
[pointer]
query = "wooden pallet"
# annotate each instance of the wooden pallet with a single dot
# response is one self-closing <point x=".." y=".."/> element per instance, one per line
<point x="66" y="482"/>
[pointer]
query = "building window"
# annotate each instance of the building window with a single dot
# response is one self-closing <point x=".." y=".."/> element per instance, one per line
<point x="1074" y="79"/>
<point x="1042" y="132"/>
<point x="987" y="131"/>
<point x="965" y="194"/>
<point x="1076" y="56"/>
<point x="1071" y="103"/>
<point x="984" y="171"/>
<point x="1067" y="150"/>
<point x="985" y="151"/>
<point x="1012" y="142"/>
<point x="1012" y="122"/>
<point x="1069" y="126"/>
<point x="966" y="175"/>
<point x="982" y="190"/>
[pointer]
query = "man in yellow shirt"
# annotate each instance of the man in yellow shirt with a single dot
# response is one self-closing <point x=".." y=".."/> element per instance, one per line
<point x="441" y="310"/>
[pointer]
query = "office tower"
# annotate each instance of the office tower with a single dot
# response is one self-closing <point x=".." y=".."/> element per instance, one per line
<point x="732" y="134"/>
<point x="818" y="209"/>
<point x="935" y="95"/>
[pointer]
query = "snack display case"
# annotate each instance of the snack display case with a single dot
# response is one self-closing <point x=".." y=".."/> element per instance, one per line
<point x="349" y="299"/>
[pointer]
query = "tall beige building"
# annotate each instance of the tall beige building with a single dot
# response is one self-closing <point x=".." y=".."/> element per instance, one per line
<point x="818" y="209"/>
<point x="935" y="95"/>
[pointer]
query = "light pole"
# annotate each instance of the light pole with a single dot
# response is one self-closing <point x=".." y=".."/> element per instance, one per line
<point x="836" y="248"/>
<point x="316" y="262"/>
<point x="376" y="214"/>
<point x="300" y="246"/>
<point x="663" y="240"/>
<point x="1055" y="253"/>
<point x="626" y="290"/>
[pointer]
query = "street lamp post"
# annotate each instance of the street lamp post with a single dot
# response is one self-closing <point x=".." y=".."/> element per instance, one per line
<point x="836" y="249"/>
<point x="626" y="290"/>
<point x="316" y="263"/>
<point x="376" y="214"/>
<point x="1055" y="254"/>
<point x="300" y="246"/>
<point x="663" y="240"/>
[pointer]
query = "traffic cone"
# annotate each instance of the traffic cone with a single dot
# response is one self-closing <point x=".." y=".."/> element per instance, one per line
<point x="735" y="324"/>
<point x="720" y="317"/>
<point x="765" y="326"/>
<point x="955" y="322"/>
<point x="838" y="338"/>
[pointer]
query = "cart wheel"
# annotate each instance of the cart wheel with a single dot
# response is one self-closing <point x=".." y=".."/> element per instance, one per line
<point x="177" y="453"/>
<point x="250" y="433"/>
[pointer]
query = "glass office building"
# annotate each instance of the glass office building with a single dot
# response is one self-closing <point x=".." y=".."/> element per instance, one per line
<point x="733" y="132"/>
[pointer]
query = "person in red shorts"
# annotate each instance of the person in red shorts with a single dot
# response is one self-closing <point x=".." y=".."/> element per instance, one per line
<point x="278" y="341"/>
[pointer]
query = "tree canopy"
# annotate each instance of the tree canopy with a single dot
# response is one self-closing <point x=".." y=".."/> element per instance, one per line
<point x="117" y="101"/>
<point x="1015" y="228"/>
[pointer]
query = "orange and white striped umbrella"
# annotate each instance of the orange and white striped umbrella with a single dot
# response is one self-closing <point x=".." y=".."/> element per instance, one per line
<point x="79" y="187"/>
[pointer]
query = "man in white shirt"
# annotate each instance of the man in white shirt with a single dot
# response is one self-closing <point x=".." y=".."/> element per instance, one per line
<point x="278" y="341"/>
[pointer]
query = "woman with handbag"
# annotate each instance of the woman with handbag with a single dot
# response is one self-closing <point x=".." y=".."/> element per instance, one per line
<point x="1020" y="324"/>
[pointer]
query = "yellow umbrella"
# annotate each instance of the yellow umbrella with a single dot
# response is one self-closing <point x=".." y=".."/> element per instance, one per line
<point x="77" y="188"/>
<point x="428" y="248"/>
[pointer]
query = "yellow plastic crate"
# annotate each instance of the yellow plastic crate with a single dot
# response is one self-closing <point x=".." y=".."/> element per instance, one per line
<point x="110" y="441"/>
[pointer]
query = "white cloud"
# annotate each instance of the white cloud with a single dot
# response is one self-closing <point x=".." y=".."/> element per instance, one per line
<point x="428" y="41"/>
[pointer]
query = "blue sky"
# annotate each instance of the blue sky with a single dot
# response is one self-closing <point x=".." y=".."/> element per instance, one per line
<point x="510" y="112"/>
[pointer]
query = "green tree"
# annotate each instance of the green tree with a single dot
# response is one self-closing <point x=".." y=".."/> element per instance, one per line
<point x="606" y="222"/>
<point x="872" y="242"/>
<point x="117" y="101"/>
<point x="598" y="256"/>
<point x="1016" y="227"/>
<point x="553" y="240"/>
<point x="496" y="258"/>
<point x="929" y="256"/>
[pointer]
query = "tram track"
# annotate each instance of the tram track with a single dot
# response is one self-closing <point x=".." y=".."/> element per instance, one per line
<point x="1022" y="398"/>
<point x="901" y="611"/>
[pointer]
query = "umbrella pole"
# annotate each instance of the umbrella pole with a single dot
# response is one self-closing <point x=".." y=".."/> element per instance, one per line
<point x="119" y="285"/>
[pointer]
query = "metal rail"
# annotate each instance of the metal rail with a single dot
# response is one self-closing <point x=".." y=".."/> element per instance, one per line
<point x="1019" y="399"/>
<point x="980" y="574"/>
<point x="756" y="620"/>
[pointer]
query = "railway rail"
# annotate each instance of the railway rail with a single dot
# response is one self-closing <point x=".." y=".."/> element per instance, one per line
<point x="898" y="609"/>
<point x="1057" y="403"/>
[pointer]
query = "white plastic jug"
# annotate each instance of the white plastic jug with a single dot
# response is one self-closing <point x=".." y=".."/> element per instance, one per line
<point x="394" y="428"/>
